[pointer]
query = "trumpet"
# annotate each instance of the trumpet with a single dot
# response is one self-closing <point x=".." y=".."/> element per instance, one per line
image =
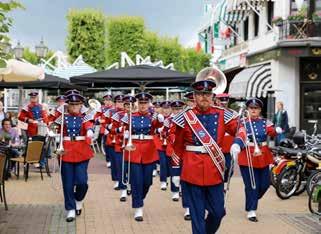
<point x="61" y="149"/>
<point x="130" y="146"/>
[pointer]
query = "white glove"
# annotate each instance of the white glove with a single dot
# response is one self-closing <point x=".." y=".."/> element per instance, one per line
<point x="110" y="126"/>
<point x="120" y="129"/>
<point x="51" y="134"/>
<point x="159" y="130"/>
<point x="278" y="130"/>
<point x="235" y="150"/>
<point x="126" y="134"/>
<point x="106" y="132"/>
<point x="90" y="133"/>
<point x="160" y="118"/>
<point x="176" y="180"/>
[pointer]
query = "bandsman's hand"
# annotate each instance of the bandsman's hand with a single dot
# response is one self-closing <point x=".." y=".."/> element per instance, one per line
<point x="235" y="150"/>
<point x="278" y="130"/>
<point x="90" y="133"/>
<point x="160" y="118"/>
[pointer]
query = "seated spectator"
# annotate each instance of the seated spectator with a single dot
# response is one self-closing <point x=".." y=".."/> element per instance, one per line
<point x="10" y="136"/>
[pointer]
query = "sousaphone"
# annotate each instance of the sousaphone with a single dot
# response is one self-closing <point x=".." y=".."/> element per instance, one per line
<point x="214" y="74"/>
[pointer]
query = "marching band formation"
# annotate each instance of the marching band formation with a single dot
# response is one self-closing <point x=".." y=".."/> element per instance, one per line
<point x="195" y="143"/>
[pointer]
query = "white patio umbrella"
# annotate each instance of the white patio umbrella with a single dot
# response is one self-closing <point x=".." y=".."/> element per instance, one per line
<point x="17" y="71"/>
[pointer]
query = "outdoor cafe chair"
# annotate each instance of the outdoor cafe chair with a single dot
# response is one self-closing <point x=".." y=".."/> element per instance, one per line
<point x="3" y="161"/>
<point x="32" y="155"/>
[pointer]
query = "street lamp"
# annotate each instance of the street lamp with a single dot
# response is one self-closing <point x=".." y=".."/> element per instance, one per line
<point x="18" y="51"/>
<point x="41" y="49"/>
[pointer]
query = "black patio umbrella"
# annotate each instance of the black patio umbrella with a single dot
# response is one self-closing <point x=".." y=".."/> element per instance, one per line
<point x="135" y="76"/>
<point x="50" y="82"/>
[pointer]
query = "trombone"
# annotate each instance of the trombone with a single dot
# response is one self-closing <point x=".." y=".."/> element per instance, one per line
<point x="128" y="147"/>
<point x="243" y="116"/>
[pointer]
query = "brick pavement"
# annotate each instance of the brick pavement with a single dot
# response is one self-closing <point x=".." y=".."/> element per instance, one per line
<point x="37" y="207"/>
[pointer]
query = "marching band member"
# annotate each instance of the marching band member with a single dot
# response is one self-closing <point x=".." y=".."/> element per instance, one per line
<point x="32" y="114"/>
<point x="260" y="162"/>
<point x="143" y="158"/>
<point x="164" y="160"/>
<point x="189" y="99"/>
<point x="222" y="100"/>
<point x="157" y="139"/>
<point x="119" y="148"/>
<point x="60" y="101"/>
<point x="108" y="104"/>
<point x="77" y="132"/>
<point x="111" y="138"/>
<point x="198" y="137"/>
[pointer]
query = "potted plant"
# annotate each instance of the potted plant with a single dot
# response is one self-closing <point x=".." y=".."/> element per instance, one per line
<point x="277" y="20"/>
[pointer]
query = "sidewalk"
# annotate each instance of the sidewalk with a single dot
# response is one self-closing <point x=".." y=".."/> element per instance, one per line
<point x="37" y="207"/>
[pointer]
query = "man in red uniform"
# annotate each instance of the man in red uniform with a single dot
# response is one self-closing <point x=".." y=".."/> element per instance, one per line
<point x="54" y="114"/>
<point x="101" y="120"/>
<point x="143" y="158"/>
<point x="198" y="137"/>
<point x="112" y="137"/>
<point x="33" y="113"/>
<point x="77" y="132"/>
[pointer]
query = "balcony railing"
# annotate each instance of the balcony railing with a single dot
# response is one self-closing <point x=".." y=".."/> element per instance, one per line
<point x="295" y="30"/>
<point x="235" y="49"/>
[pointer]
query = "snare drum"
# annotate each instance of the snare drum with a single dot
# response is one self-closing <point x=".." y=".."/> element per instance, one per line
<point x="42" y="129"/>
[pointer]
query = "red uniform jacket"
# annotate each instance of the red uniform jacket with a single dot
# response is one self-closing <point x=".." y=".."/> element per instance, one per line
<point x="108" y="118"/>
<point x="34" y="112"/>
<point x="262" y="129"/>
<point x="117" y="124"/>
<point x="143" y="124"/>
<point x="228" y="140"/>
<point x="76" y="125"/>
<point x="198" y="168"/>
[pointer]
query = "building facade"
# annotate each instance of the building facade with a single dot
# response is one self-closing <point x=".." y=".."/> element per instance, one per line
<point x="274" y="53"/>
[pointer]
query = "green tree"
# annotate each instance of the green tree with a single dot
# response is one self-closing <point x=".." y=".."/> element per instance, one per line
<point x="5" y="24"/>
<point x="125" y="34"/>
<point x="87" y="36"/>
<point x="193" y="61"/>
<point x="32" y="58"/>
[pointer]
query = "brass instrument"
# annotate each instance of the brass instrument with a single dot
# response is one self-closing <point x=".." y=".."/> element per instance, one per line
<point x="61" y="149"/>
<point x="130" y="146"/>
<point x="214" y="74"/>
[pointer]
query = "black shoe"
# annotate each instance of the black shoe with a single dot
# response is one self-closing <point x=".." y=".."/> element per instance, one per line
<point x="139" y="219"/>
<point x="70" y="219"/>
<point x="122" y="199"/>
<point x="175" y="199"/>
<point x="129" y="192"/>
<point x="253" y="219"/>
<point x="117" y="188"/>
<point x="187" y="217"/>
<point x="163" y="189"/>
<point x="78" y="212"/>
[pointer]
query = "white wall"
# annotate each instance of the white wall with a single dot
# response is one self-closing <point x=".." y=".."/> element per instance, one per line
<point x="286" y="77"/>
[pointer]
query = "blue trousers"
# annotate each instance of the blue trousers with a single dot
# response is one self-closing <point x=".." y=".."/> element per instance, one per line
<point x="184" y="195"/>
<point x="119" y="166"/>
<point x="113" y="166"/>
<point x="141" y="178"/>
<point x="74" y="182"/>
<point x="262" y="181"/>
<point x="228" y="161"/>
<point x="201" y="198"/>
<point x="166" y="170"/>
<point x="107" y="154"/>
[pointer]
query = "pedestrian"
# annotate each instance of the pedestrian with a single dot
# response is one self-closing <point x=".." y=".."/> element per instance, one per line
<point x="2" y="113"/>
<point x="255" y="170"/>
<point x="280" y="119"/>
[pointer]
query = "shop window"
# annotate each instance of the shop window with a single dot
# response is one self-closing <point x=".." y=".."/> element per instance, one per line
<point x="270" y="12"/>
<point x="256" y="25"/>
<point x="246" y="29"/>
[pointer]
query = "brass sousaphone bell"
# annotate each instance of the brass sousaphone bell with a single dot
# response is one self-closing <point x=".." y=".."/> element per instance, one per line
<point x="214" y="74"/>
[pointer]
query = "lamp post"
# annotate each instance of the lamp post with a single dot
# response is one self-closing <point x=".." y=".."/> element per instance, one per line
<point x="41" y="49"/>
<point x="18" y="51"/>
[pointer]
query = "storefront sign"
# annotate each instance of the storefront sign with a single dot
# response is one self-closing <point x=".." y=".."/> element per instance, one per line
<point x="233" y="62"/>
<point x="266" y="56"/>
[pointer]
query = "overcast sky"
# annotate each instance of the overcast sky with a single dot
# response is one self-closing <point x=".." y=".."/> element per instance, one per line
<point x="47" y="18"/>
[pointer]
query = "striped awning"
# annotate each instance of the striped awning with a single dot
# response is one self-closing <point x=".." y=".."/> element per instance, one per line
<point x="238" y="10"/>
<point x="252" y="82"/>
